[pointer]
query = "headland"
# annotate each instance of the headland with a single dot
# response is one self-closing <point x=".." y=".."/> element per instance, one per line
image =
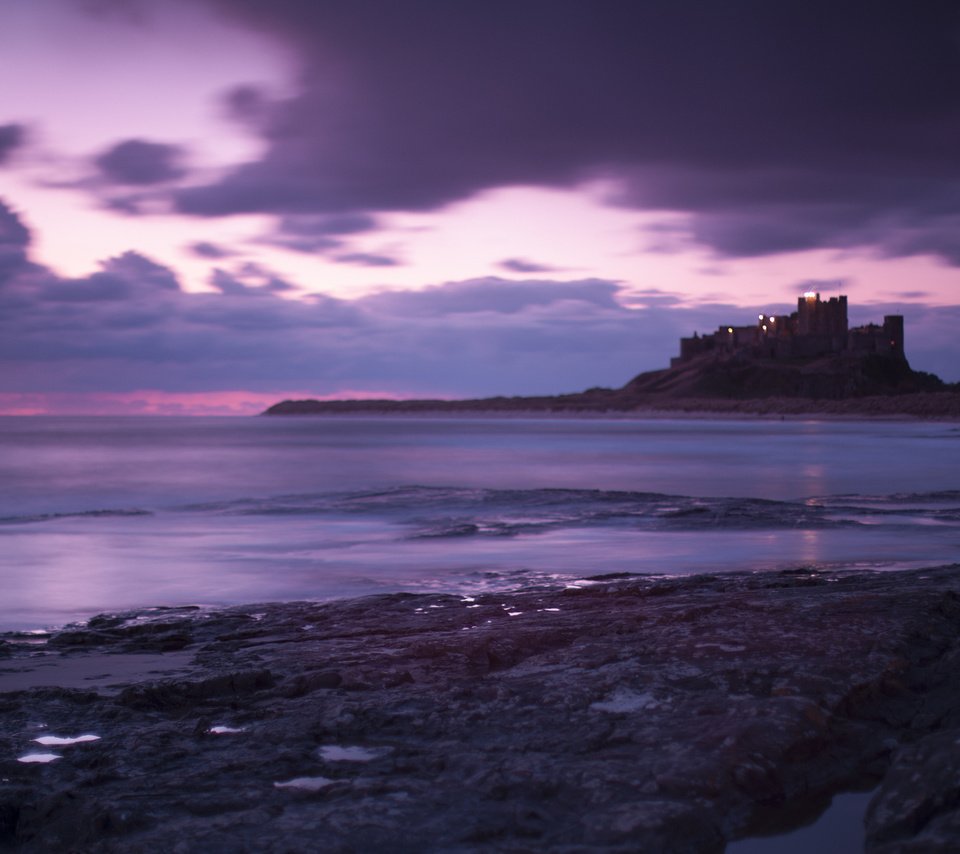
<point x="807" y="362"/>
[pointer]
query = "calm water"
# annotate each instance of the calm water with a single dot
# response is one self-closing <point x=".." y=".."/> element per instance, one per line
<point x="107" y="513"/>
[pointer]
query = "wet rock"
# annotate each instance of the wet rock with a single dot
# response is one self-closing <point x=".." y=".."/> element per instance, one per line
<point x="176" y="693"/>
<point x="917" y="807"/>
<point x="629" y="715"/>
<point x="664" y="826"/>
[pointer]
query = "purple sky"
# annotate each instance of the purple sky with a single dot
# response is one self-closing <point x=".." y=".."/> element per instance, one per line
<point x="207" y="205"/>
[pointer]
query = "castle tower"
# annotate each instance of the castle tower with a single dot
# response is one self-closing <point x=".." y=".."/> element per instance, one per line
<point x="893" y="330"/>
<point x="807" y="312"/>
<point x="815" y="317"/>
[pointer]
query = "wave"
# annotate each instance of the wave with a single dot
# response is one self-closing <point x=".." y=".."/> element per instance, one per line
<point x="429" y="512"/>
<point x="76" y="514"/>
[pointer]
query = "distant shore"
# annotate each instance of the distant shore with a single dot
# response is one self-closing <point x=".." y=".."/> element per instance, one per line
<point x="921" y="405"/>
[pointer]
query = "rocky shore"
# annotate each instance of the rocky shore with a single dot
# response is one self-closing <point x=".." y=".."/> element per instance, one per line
<point x="626" y="714"/>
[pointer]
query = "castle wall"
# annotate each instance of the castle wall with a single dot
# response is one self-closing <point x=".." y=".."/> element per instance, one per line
<point x="886" y="339"/>
<point x="817" y="328"/>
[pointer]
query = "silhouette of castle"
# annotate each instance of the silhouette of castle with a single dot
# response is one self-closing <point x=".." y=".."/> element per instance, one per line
<point x="816" y="328"/>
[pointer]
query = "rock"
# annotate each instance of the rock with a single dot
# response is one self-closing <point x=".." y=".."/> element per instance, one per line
<point x="917" y="807"/>
<point x="666" y="715"/>
<point x="175" y="693"/>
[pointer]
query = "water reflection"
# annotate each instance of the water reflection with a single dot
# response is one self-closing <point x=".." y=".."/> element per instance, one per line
<point x="39" y="758"/>
<point x="56" y="740"/>
<point x="838" y="830"/>
<point x="328" y="506"/>
<point x="306" y="784"/>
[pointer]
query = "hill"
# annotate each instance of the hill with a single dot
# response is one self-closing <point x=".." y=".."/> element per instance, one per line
<point x="846" y="384"/>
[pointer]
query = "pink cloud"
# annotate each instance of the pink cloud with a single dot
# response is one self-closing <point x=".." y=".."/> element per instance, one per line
<point x="154" y="402"/>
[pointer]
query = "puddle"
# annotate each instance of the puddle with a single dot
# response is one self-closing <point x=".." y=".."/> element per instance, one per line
<point x="838" y="830"/>
<point x="42" y="758"/>
<point x="56" y="740"/>
<point x="95" y="670"/>
<point x="305" y="784"/>
<point x="336" y="753"/>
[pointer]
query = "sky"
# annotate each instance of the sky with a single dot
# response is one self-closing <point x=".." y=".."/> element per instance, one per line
<point x="207" y="206"/>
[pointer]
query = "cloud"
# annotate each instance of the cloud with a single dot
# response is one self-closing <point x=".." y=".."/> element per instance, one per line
<point x="14" y="240"/>
<point x="775" y="126"/>
<point x="367" y="259"/>
<point x="14" y="234"/>
<point x="138" y="162"/>
<point x="130" y="326"/>
<point x="212" y="251"/>
<point x="500" y="296"/>
<point x="12" y="136"/>
<point x="318" y="234"/>
<point x="249" y="105"/>
<point x="249" y="278"/>
<point x="522" y="265"/>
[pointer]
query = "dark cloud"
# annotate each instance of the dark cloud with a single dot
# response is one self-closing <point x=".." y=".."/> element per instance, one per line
<point x="213" y="251"/>
<point x="522" y="265"/>
<point x="318" y="234"/>
<point x="249" y="105"/>
<point x="367" y="259"/>
<point x="14" y="234"/>
<point x="131" y="326"/>
<point x="227" y="283"/>
<point x="140" y="163"/>
<point x="775" y="126"/>
<point x="14" y="240"/>
<point x="12" y="136"/>
<point x="128" y="276"/>
<point x="249" y="279"/>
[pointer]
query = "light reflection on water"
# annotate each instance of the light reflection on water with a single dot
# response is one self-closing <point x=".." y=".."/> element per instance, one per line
<point x="215" y="531"/>
<point x="59" y="741"/>
<point x="838" y="830"/>
<point x="38" y="758"/>
<point x="76" y="569"/>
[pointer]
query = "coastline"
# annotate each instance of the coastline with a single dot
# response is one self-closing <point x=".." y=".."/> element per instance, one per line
<point x="928" y="406"/>
<point x="657" y="713"/>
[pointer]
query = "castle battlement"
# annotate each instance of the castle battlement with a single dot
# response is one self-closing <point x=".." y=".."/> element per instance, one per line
<point x="817" y="328"/>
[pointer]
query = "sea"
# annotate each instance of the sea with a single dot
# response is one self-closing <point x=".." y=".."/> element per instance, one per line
<point x="101" y="514"/>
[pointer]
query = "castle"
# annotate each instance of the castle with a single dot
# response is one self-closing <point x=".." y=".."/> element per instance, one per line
<point x="816" y="328"/>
